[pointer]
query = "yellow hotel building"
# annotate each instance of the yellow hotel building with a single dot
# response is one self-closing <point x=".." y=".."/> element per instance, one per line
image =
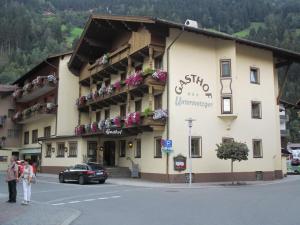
<point x="137" y="80"/>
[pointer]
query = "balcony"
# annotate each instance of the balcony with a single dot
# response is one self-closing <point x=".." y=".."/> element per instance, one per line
<point x="284" y="118"/>
<point x="137" y="85"/>
<point x="284" y="133"/>
<point x="38" y="87"/>
<point x="34" y="113"/>
<point x="120" y="59"/>
<point x="132" y="124"/>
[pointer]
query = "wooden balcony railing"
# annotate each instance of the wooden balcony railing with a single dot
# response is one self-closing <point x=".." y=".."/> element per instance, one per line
<point x="38" y="87"/>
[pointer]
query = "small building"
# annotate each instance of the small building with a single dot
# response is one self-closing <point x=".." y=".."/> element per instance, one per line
<point x="44" y="107"/>
<point x="10" y="133"/>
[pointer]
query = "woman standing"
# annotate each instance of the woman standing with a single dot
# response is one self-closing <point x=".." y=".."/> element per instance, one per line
<point x="27" y="177"/>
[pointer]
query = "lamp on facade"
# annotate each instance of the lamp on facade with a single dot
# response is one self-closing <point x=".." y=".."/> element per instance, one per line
<point x="100" y="148"/>
<point x="66" y="149"/>
<point x="130" y="144"/>
<point x="53" y="149"/>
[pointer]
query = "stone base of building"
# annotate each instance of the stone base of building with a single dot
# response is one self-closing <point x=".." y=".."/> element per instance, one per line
<point x="52" y="169"/>
<point x="214" y="177"/>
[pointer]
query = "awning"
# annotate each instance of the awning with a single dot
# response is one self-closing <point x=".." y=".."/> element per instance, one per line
<point x="30" y="151"/>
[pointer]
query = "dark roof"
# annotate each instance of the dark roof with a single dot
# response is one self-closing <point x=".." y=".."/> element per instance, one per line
<point x="7" y="88"/>
<point x="287" y="104"/>
<point x="132" y="21"/>
<point x="40" y="65"/>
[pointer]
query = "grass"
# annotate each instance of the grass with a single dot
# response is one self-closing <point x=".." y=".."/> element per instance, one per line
<point x="75" y="33"/>
<point x="244" y="33"/>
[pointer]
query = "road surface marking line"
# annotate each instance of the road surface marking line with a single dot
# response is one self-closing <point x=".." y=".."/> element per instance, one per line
<point x="103" y="198"/>
<point x="73" y="202"/>
<point x="117" y="196"/>
<point x="59" y="203"/>
<point x="89" y="200"/>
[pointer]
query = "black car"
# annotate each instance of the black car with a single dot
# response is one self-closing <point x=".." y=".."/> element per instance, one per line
<point x="84" y="173"/>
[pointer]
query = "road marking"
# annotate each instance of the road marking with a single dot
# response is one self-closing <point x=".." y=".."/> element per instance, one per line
<point x="73" y="202"/>
<point x="59" y="203"/>
<point x="89" y="200"/>
<point x="86" y="200"/>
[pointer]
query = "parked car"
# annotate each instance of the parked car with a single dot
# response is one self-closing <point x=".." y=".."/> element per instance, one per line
<point x="84" y="173"/>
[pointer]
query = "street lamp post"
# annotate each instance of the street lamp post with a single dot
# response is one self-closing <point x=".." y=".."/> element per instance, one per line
<point x="190" y="124"/>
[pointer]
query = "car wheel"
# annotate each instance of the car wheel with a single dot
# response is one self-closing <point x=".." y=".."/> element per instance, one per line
<point x="61" y="179"/>
<point x="81" y="180"/>
<point x="101" y="181"/>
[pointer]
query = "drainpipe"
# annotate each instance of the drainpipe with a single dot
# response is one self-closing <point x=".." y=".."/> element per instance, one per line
<point x="40" y="165"/>
<point x="168" y="94"/>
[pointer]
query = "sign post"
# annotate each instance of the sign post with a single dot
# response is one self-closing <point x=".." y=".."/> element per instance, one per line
<point x="190" y="124"/>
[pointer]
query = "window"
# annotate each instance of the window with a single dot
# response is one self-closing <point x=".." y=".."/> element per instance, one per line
<point x="254" y="75"/>
<point x="158" y="101"/>
<point x="106" y="114"/>
<point x="123" y="76"/>
<point x="256" y="110"/>
<point x="92" y="150"/>
<point x="13" y="133"/>
<point x="60" y="150"/>
<point x="122" y="148"/>
<point x="138" y="149"/>
<point x="47" y="131"/>
<point x="73" y="149"/>
<point x="196" y="144"/>
<point x="11" y="113"/>
<point x="34" y="138"/>
<point x="157" y="146"/>
<point x="158" y="63"/>
<point x="48" y="150"/>
<point x="26" y="138"/>
<point x="225" y="68"/>
<point x="123" y="110"/>
<point x="257" y="148"/>
<point x="226" y="105"/>
<point x="227" y="140"/>
<point x="98" y="116"/>
<point x="138" y="105"/>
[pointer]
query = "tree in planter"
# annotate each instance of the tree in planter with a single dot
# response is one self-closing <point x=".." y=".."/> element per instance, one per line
<point x="235" y="151"/>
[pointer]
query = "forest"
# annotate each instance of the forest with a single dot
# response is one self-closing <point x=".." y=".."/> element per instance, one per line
<point x="33" y="29"/>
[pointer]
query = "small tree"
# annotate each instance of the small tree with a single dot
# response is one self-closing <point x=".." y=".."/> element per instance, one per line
<point x="235" y="151"/>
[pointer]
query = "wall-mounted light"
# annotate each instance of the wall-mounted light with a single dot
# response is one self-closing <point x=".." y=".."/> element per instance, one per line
<point x="130" y="144"/>
<point x="101" y="148"/>
<point x="66" y="149"/>
<point x="53" y="149"/>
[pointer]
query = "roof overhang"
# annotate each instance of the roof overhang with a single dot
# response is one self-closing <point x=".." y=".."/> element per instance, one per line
<point x="45" y="62"/>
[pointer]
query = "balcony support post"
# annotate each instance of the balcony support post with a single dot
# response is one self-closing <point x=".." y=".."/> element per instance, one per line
<point x="151" y="60"/>
<point x="129" y="68"/>
<point x="150" y="98"/>
<point x="128" y="101"/>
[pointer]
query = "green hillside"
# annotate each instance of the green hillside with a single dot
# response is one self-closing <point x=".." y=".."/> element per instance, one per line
<point x="253" y="26"/>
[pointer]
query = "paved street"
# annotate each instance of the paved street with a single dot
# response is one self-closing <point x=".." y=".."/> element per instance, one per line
<point x="117" y="203"/>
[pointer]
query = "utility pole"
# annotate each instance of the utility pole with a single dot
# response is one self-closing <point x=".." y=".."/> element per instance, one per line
<point x="190" y="124"/>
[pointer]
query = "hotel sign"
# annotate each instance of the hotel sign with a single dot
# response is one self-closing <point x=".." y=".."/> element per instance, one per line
<point x="113" y="131"/>
<point x="193" y="97"/>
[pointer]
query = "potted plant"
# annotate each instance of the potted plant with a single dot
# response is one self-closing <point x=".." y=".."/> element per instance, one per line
<point x="109" y="90"/>
<point x="117" y="121"/>
<point x="50" y="107"/>
<point x="94" y="127"/>
<point x="52" y="80"/>
<point x="160" y="114"/>
<point x="101" y="124"/>
<point x="160" y="76"/>
<point x="17" y="93"/>
<point x="117" y="85"/>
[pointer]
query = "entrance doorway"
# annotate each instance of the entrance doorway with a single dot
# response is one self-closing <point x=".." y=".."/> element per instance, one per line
<point x="109" y="153"/>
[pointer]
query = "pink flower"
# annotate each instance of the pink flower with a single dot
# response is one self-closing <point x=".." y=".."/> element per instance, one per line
<point x="117" y="85"/>
<point x="117" y="121"/>
<point x="160" y="75"/>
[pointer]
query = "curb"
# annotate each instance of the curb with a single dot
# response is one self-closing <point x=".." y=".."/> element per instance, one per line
<point x="71" y="218"/>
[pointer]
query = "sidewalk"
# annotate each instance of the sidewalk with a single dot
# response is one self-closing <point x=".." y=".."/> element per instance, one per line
<point x="145" y="183"/>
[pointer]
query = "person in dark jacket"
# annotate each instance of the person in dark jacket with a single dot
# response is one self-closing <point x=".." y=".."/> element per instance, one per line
<point x="12" y="178"/>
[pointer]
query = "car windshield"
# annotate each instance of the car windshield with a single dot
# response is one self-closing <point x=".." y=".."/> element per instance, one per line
<point x="95" y="166"/>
